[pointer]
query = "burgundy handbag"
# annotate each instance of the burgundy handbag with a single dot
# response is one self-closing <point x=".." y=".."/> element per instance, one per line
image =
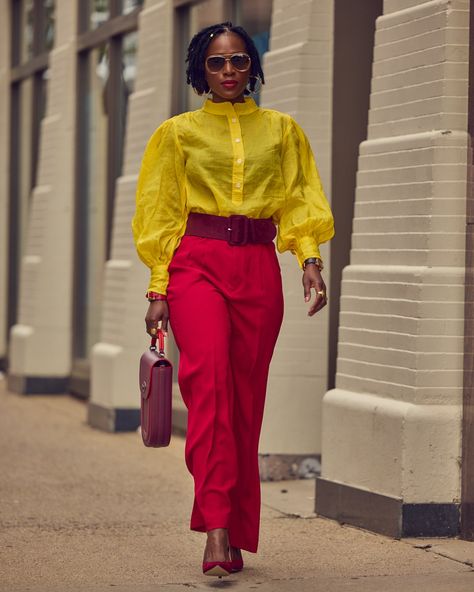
<point x="156" y="381"/>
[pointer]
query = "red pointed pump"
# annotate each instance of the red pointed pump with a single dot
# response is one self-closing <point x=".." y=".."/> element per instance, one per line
<point x="237" y="565"/>
<point x="217" y="568"/>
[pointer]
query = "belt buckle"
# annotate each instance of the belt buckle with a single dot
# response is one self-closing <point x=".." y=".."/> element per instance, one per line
<point x="238" y="230"/>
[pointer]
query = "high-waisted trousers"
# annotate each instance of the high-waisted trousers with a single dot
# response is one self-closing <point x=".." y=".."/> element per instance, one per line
<point x="226" y="308"/>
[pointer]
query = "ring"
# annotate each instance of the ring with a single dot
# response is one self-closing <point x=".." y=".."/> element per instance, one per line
<point x="321" y="293"/>
<point x="153" y="330"/>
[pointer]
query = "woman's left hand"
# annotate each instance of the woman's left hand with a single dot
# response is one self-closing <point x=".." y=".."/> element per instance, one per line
<point x="312" y="279"/>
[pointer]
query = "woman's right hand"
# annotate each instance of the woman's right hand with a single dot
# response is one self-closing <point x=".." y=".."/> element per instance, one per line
<point x="157" y="311"/>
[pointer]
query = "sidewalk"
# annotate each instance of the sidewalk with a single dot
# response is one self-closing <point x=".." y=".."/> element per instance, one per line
<point x="82" y="510"/>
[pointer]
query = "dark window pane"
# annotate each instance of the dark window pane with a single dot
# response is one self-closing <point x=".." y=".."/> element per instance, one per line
<point x="45" y="76"/>
<point x="25" y="133"/>
<point x="40" y="87"/>
<point x="130" y="5"/>
<point x="255" y="17"/>
<point x="27" y="36"/>
<point x="92" y="203"/>
<point x="16" y="28"/>
<point x="33" y="28"/>
<point x="48" y="32"/>
<point x="129" y="60"/>
<point x="127" y="85"/>
<point x="99" y="13"/>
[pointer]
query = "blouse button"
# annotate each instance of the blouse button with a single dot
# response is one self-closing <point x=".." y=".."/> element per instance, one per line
<point x="237" y="139"/>
<point x="237" y="185"/>
<point x="234" y="119"/>
<point x="239" y="161"/>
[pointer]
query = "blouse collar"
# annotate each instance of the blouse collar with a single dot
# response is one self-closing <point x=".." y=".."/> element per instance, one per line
<point x="228" y="108"/>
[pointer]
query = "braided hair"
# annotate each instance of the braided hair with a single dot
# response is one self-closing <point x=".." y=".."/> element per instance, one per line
<point x="195" y="72"/>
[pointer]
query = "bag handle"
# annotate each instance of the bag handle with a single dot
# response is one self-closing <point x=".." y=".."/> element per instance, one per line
<point x="161" y="343"/>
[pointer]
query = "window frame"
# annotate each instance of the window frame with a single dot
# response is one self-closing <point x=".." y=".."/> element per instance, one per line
<point x="111" y="32"/>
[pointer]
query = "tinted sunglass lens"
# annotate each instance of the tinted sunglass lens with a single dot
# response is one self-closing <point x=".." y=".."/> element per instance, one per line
<point x="215" y="63"/>
<point x="240" y="61"/>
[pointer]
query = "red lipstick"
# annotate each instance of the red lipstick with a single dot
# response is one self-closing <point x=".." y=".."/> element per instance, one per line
<point x="229" y="83"/>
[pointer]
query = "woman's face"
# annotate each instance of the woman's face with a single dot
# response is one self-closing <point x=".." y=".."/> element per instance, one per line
<point x="228" y="84"/>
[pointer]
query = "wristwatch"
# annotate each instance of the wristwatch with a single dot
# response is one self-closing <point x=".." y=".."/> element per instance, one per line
<point x="314" y="260"/>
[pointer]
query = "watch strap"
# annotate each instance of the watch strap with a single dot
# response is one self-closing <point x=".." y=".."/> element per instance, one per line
<point x="315" y="261"/>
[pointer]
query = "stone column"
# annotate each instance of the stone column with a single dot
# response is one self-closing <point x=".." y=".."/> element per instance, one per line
<point x="392" y="426"/>
<point x="40" y="345"/>
<point x="298" y="74"/>
<point x="5" y="40"/>
<point x="114" y="399"/>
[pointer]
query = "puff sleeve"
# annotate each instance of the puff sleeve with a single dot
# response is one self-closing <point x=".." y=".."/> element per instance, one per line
<point x="160" y="216"/>
<point x="305" y="221"/>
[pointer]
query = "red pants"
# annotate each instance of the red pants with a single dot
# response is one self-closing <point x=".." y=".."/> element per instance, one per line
<point x="226" y="308"/>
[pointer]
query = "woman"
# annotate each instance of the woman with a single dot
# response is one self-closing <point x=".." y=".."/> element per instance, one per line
<point x="212" y="186"/>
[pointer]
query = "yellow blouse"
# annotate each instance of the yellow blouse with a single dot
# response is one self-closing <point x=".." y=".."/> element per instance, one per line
<point x="228" y="159"/>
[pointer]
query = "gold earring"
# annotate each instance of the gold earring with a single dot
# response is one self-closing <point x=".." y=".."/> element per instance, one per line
<point x="258" y="87"/>
<point x="200" y="94"/>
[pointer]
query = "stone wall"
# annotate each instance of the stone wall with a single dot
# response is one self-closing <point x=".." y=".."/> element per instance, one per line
<point x="5" y="36"/>
<point x="40" y="342"/>
<point x="298" y="74"/>
<point x="392" y="426"/>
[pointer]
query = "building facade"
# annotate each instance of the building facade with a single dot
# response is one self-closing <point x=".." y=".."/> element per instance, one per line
<point x="377" y="386"/>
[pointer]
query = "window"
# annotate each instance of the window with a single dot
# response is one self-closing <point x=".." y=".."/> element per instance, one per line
<point x="130" y="5"/>
<point x="95" y="13"/>
<point x="99" y="13"/>
<point x="106" y="77"/>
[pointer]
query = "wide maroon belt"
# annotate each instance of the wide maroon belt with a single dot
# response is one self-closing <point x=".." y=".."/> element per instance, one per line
<point x="236" y="229"/>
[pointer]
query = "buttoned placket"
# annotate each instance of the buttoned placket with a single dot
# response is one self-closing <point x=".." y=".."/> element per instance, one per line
<point x="238" y="157"/>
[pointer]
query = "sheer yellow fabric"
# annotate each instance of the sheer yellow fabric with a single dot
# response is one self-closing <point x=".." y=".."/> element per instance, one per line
<point x="228" y="159"/>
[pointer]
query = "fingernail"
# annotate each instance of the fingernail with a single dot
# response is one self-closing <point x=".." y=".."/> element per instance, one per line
<point x="306" y="298"/>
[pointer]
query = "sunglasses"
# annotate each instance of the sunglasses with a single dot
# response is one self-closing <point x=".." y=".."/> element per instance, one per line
<point x="240" y="61"/>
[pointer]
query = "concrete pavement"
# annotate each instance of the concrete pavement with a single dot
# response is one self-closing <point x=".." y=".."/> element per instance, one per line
<point x="84" y="510"/>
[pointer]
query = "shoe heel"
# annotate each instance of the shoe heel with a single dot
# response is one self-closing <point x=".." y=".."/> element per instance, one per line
<point x="237" y="565"/>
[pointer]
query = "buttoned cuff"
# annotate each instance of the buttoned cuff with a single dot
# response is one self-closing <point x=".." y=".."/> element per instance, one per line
<point x="159" y="279"/>
<point x="307" y="247"/>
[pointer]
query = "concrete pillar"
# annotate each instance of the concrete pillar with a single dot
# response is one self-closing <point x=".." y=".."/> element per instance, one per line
<point x="298" y="74"/>
<point x="5" y="40"/>
<point x="40" y="345"/>
<point x="392" y="426"/>
<point x="114" y="398"/>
